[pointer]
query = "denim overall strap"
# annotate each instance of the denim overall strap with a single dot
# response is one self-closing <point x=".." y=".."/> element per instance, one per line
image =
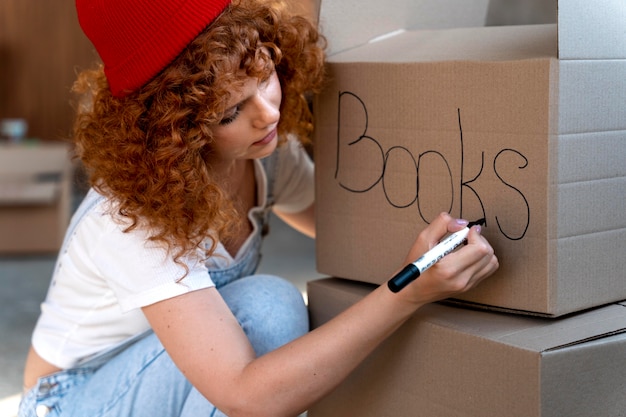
<point x="249" y="257"/>
<point x="91" y="200"/>
<point x="270" y="164"/>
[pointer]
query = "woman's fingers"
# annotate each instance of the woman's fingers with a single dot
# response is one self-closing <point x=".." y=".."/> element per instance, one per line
<point x="478" y="257"/>
<point x="428" y="238"/>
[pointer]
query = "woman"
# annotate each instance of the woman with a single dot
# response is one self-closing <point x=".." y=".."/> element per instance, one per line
<point x="191" y="132"/>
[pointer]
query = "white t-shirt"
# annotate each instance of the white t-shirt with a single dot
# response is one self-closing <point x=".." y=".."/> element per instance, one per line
<point x="104" y="276"/>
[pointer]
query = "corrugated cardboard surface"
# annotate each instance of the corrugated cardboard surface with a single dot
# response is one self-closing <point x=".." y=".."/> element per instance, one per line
<point x="592" y="31"/>
<point x="457" y="362"/>
<point x="479" y="122"/>
<point x="347" y="23"/>
<point x="35" y="194"/>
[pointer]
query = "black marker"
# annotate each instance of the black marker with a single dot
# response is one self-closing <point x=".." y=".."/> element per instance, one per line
<point x="413" y="270"/>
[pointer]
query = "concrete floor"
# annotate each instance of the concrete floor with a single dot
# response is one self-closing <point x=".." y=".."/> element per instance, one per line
<point x="24" y="281"/>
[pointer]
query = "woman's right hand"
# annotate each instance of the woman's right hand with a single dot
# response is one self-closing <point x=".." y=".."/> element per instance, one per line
<point x="458" y="271"/>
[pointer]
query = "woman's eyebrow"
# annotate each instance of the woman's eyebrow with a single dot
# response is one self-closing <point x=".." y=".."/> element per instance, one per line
<point x="240" y="103"/>
<point x="247" y="95"/>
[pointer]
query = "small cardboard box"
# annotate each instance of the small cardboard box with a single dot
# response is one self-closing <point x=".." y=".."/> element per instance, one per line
<point x="522" y="125"/>
<point x="449" y="361"/>
<point x="35" y="197"/>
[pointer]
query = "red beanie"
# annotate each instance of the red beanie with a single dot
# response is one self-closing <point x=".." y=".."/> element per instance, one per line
<point x="136" y="39"/>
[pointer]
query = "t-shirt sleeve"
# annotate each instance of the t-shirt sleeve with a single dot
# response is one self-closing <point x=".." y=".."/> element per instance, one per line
<point x="294" y="188"/>
<point x="140" y="272"/>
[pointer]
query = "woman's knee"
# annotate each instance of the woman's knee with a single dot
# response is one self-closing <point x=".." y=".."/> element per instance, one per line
<point x="270" y="309"/>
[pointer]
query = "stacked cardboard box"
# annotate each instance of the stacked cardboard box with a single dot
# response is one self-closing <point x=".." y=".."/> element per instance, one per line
<point x="524" y="126"/>
<point x="521" y="125"/>
<point x="35" y="197"/>
<point x="450" y="361"/>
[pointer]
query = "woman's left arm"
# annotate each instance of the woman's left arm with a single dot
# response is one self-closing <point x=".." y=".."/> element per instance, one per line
<point x="303" y="221"/>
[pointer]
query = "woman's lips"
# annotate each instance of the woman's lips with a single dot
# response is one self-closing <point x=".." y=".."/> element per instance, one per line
<point x="267" y="139"/>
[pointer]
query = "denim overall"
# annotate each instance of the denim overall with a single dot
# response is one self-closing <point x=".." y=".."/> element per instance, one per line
<point x="138" y="378"/>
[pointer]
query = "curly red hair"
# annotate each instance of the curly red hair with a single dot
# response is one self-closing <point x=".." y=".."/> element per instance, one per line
<point x="148" y="151"/>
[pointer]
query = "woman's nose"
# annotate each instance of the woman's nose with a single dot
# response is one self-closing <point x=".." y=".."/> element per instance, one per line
<point x="267" y="112"/>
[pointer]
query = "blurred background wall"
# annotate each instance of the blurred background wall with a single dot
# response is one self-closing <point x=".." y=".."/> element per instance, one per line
<point x="521" y="12"/>
<point x="42" y="48"/>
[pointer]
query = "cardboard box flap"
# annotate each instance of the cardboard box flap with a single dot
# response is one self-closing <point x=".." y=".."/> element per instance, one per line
<point x="523" y="332"/>
<point x="346" y="26"/>
<point x="494" y="43"/>
<point x="572" y="330"/>
<point x="534" y="333"/>
<point x="592" y="29"/>
<point x="586" y="29"/>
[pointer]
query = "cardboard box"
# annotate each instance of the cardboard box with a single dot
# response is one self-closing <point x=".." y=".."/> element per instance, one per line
<point x="35" y="197"/>
<point x="307" y="8"/>
<point x="522" y="125"/>
<point x="456" y="362"/>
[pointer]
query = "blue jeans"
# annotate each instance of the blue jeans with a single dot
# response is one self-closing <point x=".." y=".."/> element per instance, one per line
<point x="141" y="379"/>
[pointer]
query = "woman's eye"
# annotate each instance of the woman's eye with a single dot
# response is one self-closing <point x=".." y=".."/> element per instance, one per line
<point x="230" y="118"/>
